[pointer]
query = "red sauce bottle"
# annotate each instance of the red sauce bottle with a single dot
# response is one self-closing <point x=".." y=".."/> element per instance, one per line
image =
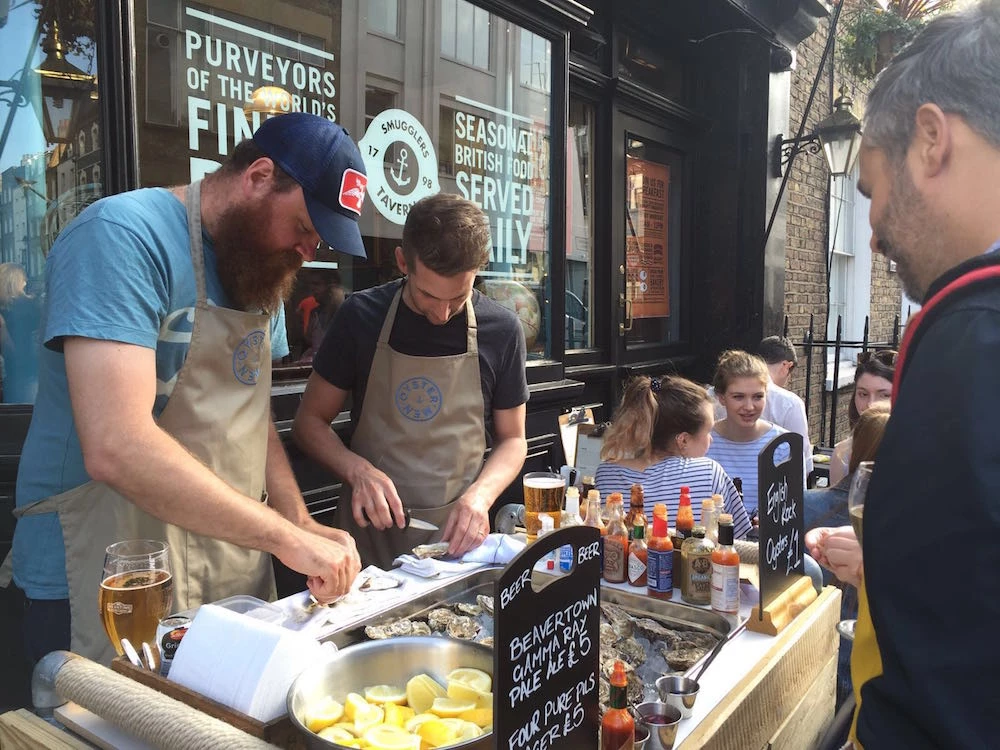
<point x="617" y="725"/>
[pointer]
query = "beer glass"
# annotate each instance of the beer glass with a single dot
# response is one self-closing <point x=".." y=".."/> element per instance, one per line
<point x="543" y="493"/>
<point x="136" y="591"/>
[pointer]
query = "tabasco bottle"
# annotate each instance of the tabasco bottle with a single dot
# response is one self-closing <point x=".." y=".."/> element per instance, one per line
<point x="660" y="557"/>
<point x="725" y="570"/>
<point x="637" y="554"/>
<point x="615" y="542"/>
<point x="636" y="509"/>
<point x="617" y="725"/>
<point x="685" y="516"/>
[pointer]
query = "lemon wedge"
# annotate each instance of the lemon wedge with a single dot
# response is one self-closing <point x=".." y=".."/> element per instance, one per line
<point x="463" y="692"/>
<point x="337" y="734"/>
<point x="481" y="717"/>
<point x="385" y="737"/>
<point x="421" y="692"/>
<point x="353" y="702"/>
<point x="474" y="678"/>
<point x="412" y="725"/>
<point x="385" y="694"/>
<point x="451" y="708"/>
<point x="367" y="716"/>
<point x="323" y="714"/>
<point x="436" y="733"/>
<point x="397" y="715"/>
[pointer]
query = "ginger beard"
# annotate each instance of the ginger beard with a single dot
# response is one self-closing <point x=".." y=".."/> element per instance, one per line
<point x="254" y="273"/>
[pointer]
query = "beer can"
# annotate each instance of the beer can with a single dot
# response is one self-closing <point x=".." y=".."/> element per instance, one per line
<point x="169" y="633"/>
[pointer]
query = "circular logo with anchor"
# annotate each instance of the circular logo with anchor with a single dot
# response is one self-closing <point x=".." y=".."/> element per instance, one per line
<point x="401" y="163"/>
<point x="248" y="357"/>
<point x="418" y="399"/>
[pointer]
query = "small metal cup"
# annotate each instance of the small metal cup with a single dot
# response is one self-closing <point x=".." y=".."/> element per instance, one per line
<point x="660" y="719"/>
<point x="679" y="692"/>
<point x="641" y="736"/>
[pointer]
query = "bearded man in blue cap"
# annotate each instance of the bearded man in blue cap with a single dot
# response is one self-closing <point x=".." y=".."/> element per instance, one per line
<point x="163" y="312"/>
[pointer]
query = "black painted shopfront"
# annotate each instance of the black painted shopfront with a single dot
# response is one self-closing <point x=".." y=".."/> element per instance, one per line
<point x="620" y="148"/>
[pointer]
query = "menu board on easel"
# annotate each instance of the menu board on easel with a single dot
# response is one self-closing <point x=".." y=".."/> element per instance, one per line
<point x="646" y="239"/>
<point x="779" y="508"/>
<point x="546" y="648"/>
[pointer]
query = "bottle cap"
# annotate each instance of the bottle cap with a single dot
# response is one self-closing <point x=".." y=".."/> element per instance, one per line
<point x="618" y="677"/>
<point x="698" y="532"/>
<point x="594" y="495"/>
<point x="685" y="498"/>
<point x="685" y="490"/>
<point x="725" y="518"/>
<point x="707" y="504"/>
<point x="660" y="509"/>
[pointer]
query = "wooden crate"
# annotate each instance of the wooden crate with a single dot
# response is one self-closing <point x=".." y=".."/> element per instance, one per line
<point x="280" y="732"/>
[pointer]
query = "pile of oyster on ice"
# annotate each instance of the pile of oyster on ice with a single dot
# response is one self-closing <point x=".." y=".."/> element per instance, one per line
<point x="646" y="647"/>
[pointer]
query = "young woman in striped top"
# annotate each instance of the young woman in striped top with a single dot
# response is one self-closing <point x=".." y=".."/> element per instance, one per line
<point x="658" y="439"/>
<point x="741" y="387"/>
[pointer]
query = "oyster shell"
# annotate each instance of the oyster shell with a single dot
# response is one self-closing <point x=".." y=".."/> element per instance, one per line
<point x="463" y="627"/>
<point x="487" y="641"/>
<point x="486" y="602"/>
<point x="423" y="551"/>
<point x="440" y="618"/>
<point x="471" y="610"/>
<point x="621" y="621"/>
<point x="421" y="628"/>
<point x="389" y="630"/>
<point x="630" y="651"/>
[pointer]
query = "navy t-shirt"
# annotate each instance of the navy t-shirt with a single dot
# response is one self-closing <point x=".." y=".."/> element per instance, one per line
<point x="345" y="357"/>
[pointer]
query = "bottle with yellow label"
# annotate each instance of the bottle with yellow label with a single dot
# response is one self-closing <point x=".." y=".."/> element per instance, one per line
<point x="696" y="568"/>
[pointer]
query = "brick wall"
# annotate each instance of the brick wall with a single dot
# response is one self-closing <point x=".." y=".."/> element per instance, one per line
<point x="806" y="248"/>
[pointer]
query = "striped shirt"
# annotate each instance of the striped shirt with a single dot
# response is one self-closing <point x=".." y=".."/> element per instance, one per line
<point x="740" y="460"/>
<point x="661" y="483"/>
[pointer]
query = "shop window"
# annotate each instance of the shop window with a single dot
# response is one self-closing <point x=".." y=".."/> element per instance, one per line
<point x="465" y="33"/>
<point x="579" y="225"/>
<point x="536" y="65"/>
<point x="457" y="127"/>
<point x="383" y="17"/>
<point x="44" y="166"/>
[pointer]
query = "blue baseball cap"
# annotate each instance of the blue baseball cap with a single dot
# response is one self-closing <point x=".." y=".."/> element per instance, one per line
<point x="321" y="156"/>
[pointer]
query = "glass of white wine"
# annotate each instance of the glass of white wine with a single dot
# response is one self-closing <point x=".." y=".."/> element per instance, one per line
<point x="136" y="591"/>
<point x="856" y="510"/>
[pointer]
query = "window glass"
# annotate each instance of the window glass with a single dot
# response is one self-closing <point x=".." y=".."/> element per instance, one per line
<point x="579" y="225"/>
<point x="456" y="127"/>
<point x="50" y="164"/>
<point x="383" y="16"/>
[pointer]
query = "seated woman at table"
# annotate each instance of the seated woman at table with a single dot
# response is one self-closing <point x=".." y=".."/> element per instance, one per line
<point x="658" y="439"/>
<point x="741" y="387"/>
<point x="828" y="506"/>
<point x="872" y="382"/>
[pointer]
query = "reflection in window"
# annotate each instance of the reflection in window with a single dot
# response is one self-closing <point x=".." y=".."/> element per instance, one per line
<point x="579" y="224"/>
<point x="535" y="63"/>
<point x="50" y="156"/>
<point x="383" y="17"/>
<point x="465" y="33"/>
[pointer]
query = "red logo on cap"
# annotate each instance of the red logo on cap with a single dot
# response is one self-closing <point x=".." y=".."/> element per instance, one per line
<point x="352" y="190"/>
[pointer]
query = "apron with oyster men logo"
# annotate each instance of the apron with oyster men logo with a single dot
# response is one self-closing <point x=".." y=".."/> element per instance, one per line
<point x="219" y="410"/>
<point x="422" y="424"/>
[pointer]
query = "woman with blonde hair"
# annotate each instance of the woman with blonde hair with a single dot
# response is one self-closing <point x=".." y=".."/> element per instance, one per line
<point x="741" y="387"/>
<point x="658" y="438"/>
<point x="19" y="322"/>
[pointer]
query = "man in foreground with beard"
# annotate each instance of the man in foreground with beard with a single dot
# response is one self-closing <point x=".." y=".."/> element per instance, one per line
<point x="163" y="313"/>
<point x="924" y="661"/>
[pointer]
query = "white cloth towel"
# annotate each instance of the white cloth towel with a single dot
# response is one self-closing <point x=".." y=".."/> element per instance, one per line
<point x="496" y="549"/>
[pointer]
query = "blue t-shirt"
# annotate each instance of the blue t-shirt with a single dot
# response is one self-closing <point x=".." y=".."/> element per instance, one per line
<point x="120" y="272"/>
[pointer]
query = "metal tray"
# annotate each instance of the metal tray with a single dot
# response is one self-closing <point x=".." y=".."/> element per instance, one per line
<point x="481" y="581"/>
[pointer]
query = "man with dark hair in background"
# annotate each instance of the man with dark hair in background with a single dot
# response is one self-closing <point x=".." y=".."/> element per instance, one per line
<point x="436" y="374"/>
<point x="783" y="407"/>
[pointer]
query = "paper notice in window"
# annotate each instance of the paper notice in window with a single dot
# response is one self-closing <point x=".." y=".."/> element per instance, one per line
<point x="646" y="248"/>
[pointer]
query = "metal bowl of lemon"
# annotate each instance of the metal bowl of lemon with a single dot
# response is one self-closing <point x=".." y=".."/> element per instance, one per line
<point x="411" y="693"/>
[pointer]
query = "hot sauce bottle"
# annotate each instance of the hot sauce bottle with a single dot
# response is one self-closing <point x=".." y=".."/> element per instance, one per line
<point x="636" y="509"/>
<point x="685" y="516"/>
<point x="660" y="557"/>
<point x="696" y="568"/>
<point x="617" y="725"/>
<point x="637" y="553"/>
<point x="726" y="570"/>
<point x="615" y="542"/>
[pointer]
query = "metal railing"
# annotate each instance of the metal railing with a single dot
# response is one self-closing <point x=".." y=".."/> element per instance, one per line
<point x="838" y="347"/>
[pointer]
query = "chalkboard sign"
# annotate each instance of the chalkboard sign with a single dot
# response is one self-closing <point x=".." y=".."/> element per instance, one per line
<point x="546" y="648"/>
<point x="779" y="508"/>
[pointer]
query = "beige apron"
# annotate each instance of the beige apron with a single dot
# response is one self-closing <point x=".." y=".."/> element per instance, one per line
<point x="422" y="424"/>
<point x="219" y="410"/>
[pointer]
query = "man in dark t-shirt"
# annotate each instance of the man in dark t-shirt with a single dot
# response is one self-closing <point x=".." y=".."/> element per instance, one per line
<point x="436" y="372"/>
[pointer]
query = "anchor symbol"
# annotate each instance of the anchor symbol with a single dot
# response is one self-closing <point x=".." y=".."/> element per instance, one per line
<point x="398" y="178"/>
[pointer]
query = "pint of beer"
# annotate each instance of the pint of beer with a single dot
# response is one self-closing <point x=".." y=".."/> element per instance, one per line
<point x="136" y="591"/>
<point x="543" y="493"/>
